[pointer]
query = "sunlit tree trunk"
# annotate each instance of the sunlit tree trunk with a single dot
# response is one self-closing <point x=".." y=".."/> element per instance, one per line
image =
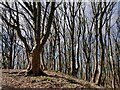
<point x="101" y="45"/>
<point x="96" y="71"/>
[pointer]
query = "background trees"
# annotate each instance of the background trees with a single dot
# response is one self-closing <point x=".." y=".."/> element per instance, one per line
<point x="83" y="40"/>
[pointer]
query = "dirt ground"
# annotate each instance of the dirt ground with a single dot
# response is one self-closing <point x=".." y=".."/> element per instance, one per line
<point x="11" y="80"/>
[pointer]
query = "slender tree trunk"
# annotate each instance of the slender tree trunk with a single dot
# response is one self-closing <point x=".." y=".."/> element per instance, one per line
<point x="54" y="46"/>
<point x="3" y="56"/>
<point x="72" y="38"/>
<point x="64" y="36"/>
<point x="10" y="66"/>
<point x="70" y="60"/>
<point x="96" y="71"/>
<point x="78" y="53"/>
<point x="101" y="46"/>
<point x="73" y="59"/>
<point x="60" y="63"/>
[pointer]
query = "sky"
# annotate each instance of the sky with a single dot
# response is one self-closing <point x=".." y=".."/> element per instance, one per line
<point x="61" y="0"/>
<point x="119" y="7"/>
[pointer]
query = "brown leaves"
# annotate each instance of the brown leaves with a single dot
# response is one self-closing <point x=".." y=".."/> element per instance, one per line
<point x="54" y="80"/>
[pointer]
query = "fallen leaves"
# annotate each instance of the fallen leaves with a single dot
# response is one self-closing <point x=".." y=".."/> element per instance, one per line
<point x="54" y="80"/>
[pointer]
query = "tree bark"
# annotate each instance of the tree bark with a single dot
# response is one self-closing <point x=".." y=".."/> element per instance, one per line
<point x="34" y="62"/>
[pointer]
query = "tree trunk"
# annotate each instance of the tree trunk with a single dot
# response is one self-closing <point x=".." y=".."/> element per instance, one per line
<point x="43" y="61"/>
<point x="96" y="71"/>
<point x="72" y="39"/>
<point x="10" y="66"/>
<point x="101" y="46"/>
<point x="60" y="63"/>
<point x="34" y="62"/>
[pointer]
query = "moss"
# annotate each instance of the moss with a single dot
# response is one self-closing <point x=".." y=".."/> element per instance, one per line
<point x="71" y="80"/>
<point x="96" y="82"/>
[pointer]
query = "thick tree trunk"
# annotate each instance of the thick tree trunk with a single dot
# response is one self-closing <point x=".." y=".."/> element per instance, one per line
<point x="34" y="58"/>
<point x="34" y="63"/>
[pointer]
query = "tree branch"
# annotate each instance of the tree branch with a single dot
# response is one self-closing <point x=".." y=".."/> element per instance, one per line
<point x="49" y="24"/>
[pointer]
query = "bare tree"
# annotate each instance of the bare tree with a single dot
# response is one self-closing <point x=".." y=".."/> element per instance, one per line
<point x="34" y="10"/>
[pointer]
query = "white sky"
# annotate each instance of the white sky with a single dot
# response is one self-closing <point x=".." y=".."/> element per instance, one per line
<point x="61" y="0"/>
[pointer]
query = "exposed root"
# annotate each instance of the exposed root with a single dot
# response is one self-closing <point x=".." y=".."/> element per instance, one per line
<point x="30" y="73"/>
<point x="22" y="73"/>
<point x="43" y="73"/>
<point x="40" y="73"/>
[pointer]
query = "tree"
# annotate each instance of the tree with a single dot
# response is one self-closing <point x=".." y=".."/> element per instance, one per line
<point x="34" y="10"/>
<point x="99" y="11"/>
<point x="71" y="22"/>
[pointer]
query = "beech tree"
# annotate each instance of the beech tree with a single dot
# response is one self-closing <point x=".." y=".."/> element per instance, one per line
<point x="33" y="9"/>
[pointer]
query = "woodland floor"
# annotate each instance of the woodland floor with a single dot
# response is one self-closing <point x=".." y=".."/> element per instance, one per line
<point x="12" y="81"/>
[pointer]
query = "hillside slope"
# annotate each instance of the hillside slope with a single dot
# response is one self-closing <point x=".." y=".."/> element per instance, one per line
<point x="11" y="80"/>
